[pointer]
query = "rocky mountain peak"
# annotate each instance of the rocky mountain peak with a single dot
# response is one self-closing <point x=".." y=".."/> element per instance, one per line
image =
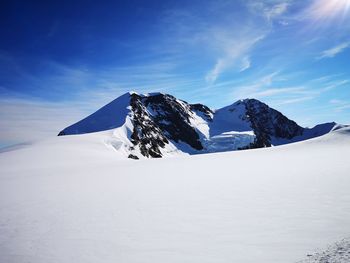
<point x="156" y="124"/>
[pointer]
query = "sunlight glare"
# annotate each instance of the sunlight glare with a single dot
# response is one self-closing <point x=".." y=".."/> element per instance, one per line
<point x="325" y="9"/>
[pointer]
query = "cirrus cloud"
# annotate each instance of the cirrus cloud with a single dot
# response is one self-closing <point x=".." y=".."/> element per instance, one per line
<point x="332" y="52"/>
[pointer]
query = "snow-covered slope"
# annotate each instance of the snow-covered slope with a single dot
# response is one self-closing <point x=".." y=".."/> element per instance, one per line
<point x="71" y="199"/>
<point x="113" y="115"/>
<point x="157" y="125"/>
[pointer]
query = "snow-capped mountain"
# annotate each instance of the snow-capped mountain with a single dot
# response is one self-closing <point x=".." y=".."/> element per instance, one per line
<point x="157" y="125"/>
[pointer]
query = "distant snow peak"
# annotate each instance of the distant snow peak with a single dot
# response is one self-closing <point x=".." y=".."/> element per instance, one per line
<point x="155" y="125"/>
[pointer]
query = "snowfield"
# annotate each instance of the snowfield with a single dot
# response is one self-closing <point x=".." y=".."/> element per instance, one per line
<point x="77" y="199"/>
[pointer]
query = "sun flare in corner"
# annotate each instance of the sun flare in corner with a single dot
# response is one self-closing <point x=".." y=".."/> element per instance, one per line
<point x="325" y="9"/>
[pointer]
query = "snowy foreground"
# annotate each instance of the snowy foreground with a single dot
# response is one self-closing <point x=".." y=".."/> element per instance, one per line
<point x="73" y="199"/>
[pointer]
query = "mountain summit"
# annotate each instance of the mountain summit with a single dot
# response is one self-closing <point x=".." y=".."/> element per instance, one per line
<point x="156" y="125"/>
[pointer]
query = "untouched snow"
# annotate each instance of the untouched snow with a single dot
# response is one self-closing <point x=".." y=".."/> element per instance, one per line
<point x="72" y="199"/>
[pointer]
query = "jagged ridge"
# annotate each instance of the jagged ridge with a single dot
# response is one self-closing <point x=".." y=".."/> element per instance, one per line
<point x="161" y="123"/>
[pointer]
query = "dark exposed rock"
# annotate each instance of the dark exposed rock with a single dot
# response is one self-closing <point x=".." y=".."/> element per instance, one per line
<point x="203" y="111"/>
<point x="62" y="133"/>
<point x="267" y="123"/>
<point x="173" y="118"/>
<point x="131" y="156"/>
<point x="158" y="119"/>
<point x="146" y="134"/>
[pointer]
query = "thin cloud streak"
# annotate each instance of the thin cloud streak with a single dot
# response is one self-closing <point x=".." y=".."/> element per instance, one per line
<point x="239" y="47"/>
<point x="265" y="87"/>
<point x="235" y="50"/>
<point x="246" y="64"/>
<point x="270" y="10"/>
<point x="248" y="91"/>
<point x="295" y="100"/>
<point x="340" y="105"/>
<point x="279" y="91"/>
<point x="332" y="52"/>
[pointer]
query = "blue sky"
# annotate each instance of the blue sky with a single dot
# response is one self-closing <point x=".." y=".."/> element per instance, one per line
<point x="62" y="60"/>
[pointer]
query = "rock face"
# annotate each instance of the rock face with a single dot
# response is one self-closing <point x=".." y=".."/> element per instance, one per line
<point x="267" y="123"/>
<point x="173" y="117"/>
<point x="156" y="124"/>
<point x="146" y="133"/>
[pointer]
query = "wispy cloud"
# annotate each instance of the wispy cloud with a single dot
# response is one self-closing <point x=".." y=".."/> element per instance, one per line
<point x="336" y="101"/>
<point x="214" y="35"/>
<point x="57" y="81"/>
<point x="279" y="91"/>
<point x="333" y="84"/>
<point x="340" y="105"/>
<point x="343" y="107"/>
<point x="252" y="89"/>
<point x="227" y="42"/>
<point x="235" y="49"/>
<point x="270" y="10"/>
<point x="273" y="86"/>
<point x="238" y="47"/>
<point x="246" y="63"/>
<point x="295" y="100"/>
<point x="332" y="52"/>
<point x="276" y="10"/>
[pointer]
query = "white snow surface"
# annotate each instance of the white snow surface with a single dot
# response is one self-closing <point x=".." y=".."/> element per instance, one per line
<point x="200" y="125"/>
<point x="230" y="117"/>
<point x="110" y="116"/>
<point x="72" y="199"/>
